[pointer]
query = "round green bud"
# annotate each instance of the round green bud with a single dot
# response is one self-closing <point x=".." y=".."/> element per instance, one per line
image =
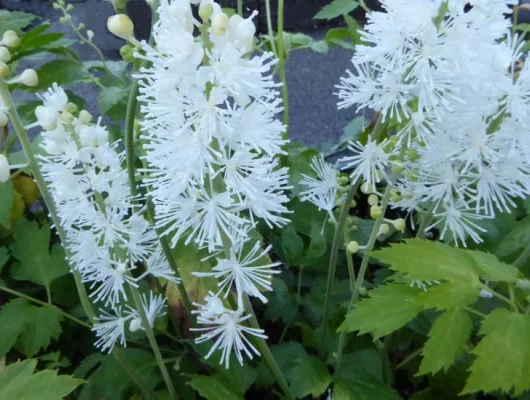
<point x="375" y="212"/>
<point x="399" y="224"/>
<point x="352" y="247"/>
<point x="10" y="39"/>
<point x="412" y="155"/>
<point x="127" y="53"/>
<point x="71" y="108"/>
<point x="384" y="229"/>
<point x="367" y="188"/>
<point x="373" y="199"/>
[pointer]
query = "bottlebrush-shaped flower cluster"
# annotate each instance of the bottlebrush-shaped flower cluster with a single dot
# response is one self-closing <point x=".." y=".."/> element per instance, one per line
<point x="108" y="241"/>
<point x="212" y="145"/>
<point x="454" y="85"/>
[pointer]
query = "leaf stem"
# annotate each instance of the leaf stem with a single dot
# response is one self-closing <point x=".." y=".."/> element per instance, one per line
<point x="499" y="296"/>
<point x="266" y="352"/>
<point x="333" y="261"/>
<point x="45" y="193"/>
<point x="476" y="312"/>
<point x="411" y="357"/>
<point x="281" y="66"/>
<point x="43" y="303"/>
<point x="522" y="257"/>
<point x="270" y="31"/>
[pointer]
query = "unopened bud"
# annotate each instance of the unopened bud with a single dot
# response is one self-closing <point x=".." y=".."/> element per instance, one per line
<point x="5" y="55"/>
<point x="127" y="53"/>
<point x="343" y="180"/>
<point x="384" y="229"/>
<point x="206" y="9"/>
<point x="66" y="117"/>
<point x="81" y="26"/>
<point x="219" y="24"/>
<point x="120" y="25"/>
<point x="69" y="7"/>
<point x="135" y="325"/>
<point x="352" y="247"/>
<point x="412" y="155"/>
<point x="395" y="195"/>
<point x="399" y="224"/>
<point x="90" y="35"/>
<point x="373" y="200"/>
<point x="63" y="19"/>
<point x="349" y="220"/>
<point x="375" y="212"/>
<point x="85" y="117"/>
<point x="4" y="69"/>
<point x="397" y="169"/>
<point x="353" y="204"/>
<point x="10" y="39"/>
<point x="28" y="77"/>
<point x="367" y="188"/>
<point x="56" y="6"/>
<point x="4" y="169"/>
<point x="71" y="107"/>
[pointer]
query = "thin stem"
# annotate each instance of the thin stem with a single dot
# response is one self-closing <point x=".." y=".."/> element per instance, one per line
<point x="266" y="352"/>
<point x="240" y="7"/>
<point x="299" y="285"/>
<point x="43" y="303"/>
<point x="425" y="223"/>
<point x="281" y="66"/>
<point x="476" y="312"/>
<point x="349" y="258"/>
<point x="499" y="296"/>
<point x="364" y="265"/>
<point x="333" y="261"/>
<point x="363" y="5"/>
<point x="118" y="355"/>
<point x="411" y="357"/>
<point x="132" y="104"/>
<point x="385" y="361"/>
<point x="152" y="341"/>
<point x="270" y="31"/>
<point x="45" y="193"/>
<point x="522" y="257"/>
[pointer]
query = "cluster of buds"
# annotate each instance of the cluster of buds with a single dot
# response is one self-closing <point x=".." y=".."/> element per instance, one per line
<point x="67" y="18"/>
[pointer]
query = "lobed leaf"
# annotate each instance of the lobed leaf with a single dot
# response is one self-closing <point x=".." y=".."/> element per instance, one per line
<point x="336" y="8"/>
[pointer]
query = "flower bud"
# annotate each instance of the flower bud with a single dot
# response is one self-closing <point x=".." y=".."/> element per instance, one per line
<point x="28" y="77"/>
<point x="397" y="169"/>
<point x="219" y="24"/>
<point x="412" y="155"/>
<point x="81" y="26"/>
<point x="367" y="188"/>
<point x="10" y="39"/>
<point x="523" y="284"/>
<point x="127" y="53"/>
<point x="4" y="169"/>
<point x="85" y="117"/>
<point x="3" y="119"/>
<point x="353" y="204"/>
<point x="66" y="117"/>
<point x="56" y="6"/>
<point x="63" y="19"/>
<point x="349" y="220"/>
<point x="399" y="224"/>
<point x="343" y="180"/>
<point x="135" y="325"/>
<point x="373" y="200"/>
<point x="71" y="107"/>
<point x="384" y="229"/>
<point x="352" y="247"/>
<point x="4" y="69"/>
<point x="69" y="7"/>
<point x="206" y="9"/>
<point x="5" y="56"/>
<point x="120" y="25"/>
<point x="46" y="118"/>
<point x="485" y="294"/>
<point x="245" y="33"/>
<point x="375" y="212"/>
<point x="395" y="195"/>
<point x="90" y="35"/>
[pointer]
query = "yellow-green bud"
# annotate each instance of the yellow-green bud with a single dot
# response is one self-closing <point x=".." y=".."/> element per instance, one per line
<point x="343" y="180"/>
<point x="10" y="39"/>
<point x="363" y="292"/>
<point x="353" y="204"/>
<point x="205" y="9"/>
<point x="69" y="7"/>
<point x="127" y="53"/>
<point x="56" y="6"/>
<point x="81" y="26"/>
<point x="4" y="70"/>
<point x="121" y="26"/>
<point x="90" y="35"/>
<point x="219" y="24"/>
<point x="375" y="212"/>
<point x="412" y="155"/>
<point x="397" y="169"/>
<point x="28" y="77"/>
<point x="352" y="247"/>
<point x="399" y="224"/>
<point x="384" y="229"/>
<point x="63" y="19"/>
<point x="349" y="220"/>
<point x="85" y="117"/>
<point x="342" y="189"/>
<point x="71" y="108"/>
<point x="367" y="188"/>
<point x="66" y="117"/>
<point x="373" y="200"/>
<point x="355" y="228"/>
<point x="5" y="55"/>
<point x="412" y="175"/>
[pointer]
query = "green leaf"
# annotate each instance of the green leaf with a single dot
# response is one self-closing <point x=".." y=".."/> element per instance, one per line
<point x="426" y="260"/>
<point x="491" y="269"/>
<point x="516" y="239"/>
<point x="447" y="339"/>
<point x="6" y="202"/>
<point x="448" y="295"/>
<point x="17" y="381"/>
<point x="213" y="388"/>
<point x="37" y="265"/>
<point x="336" y="8"/>
<point x="292" y="245"/>
<point x="111" y="98"/>
<point x="12" y="320"/>
<point x="362" y="386"/>
<point x="503" y="355"/>
<point x="62" y="72"/>
<point x="389" y="308"/>
<point x="4" y="257"/>
<point x="42" y="325"/>
<point x="14" y="20"/>
<point x="317" y="245"/>
<point x="285" y="354"/>
<point x="282" y="303"/>
<point x="309" y="377"/>
<point x="293" y="41"/>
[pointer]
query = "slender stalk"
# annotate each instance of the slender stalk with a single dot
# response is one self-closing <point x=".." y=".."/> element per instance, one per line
<point x="240" y="7"/>
<point x="281" y="66"/>
<point x="43" y="303"/>
<point x="333" y="261"/>
<point x="522" y="257"/>
<point x="387" y="373"/>
<point x="152" y="341"/>
<point x="411" y="357"/>
<point x="363" y="5"/>
<point x="364" y="265"/>
<point x="266" y="352"/>
<point x="499" y="296"/>
<point x="270" y="31"/>
<point x="425" y="223"/>
<point x="41" y="184"/>
<point x="118" y="355"/>
<point x="349" y="258"/>
<point x="476" y="312"/>
<point x="132" y="104"/>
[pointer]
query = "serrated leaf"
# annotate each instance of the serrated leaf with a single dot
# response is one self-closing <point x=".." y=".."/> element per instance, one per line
<point x="212" y="388"/>
<point x="4" y="257"/>
<point x="447" y="339"/>
<point x="14" y="20"/>
<point x="37" y="265"/>
<point x="448" y="295"/>
<point x="17" y="381"/>
<point x="12" y="320"/>
<point x="62" y="72"/>
<point x="389" y="308"/>
<point x="425" y="260"/>
<point x="336" y="8"/>
<point x="6" y="201"/>
<point x="292" y="245"/>
<point x="503" y="355"/>
<point x="363" y="386"/>
<point x="491" y="269"/>
<point x="282" y="303"/>
<point x="111" y="98"/>
<point x="309" y="377"/>
<point x="285" y="354"/>
<point x="516" y="239"/>
<point x="42" y="325"/>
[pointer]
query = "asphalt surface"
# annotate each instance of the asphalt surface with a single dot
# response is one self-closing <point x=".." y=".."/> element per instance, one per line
<point x="311" y="76"/>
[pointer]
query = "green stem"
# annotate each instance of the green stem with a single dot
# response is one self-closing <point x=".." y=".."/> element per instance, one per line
<point x="281" y="66"/>
<point x="427" y="218"/>
<point x="299" y="285"/>
<point x="364" y="265"/>
<point x="499" y="296"/>
<point x="522" y="257"/>
<point x="473" y="311"/>
<point x="363" y="5"/>
<point x="240" y="7"/>
<point x="132" y="104"/>
<point x="43" y="303"/>
<point x="152" y="341"/>
<point x="387" y="373"/>
<point x="349" y="258"/>
<point x="266" y="352"/>
<point x="118" y="355"/>
<point x="333" y="261"/>
<point x="45" y="193"/>
<point x="409" y="358"/>
<point x="270" y="31"/>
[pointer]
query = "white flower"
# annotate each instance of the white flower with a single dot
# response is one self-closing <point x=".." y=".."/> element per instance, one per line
<point x="227" y="329"/>
<point x="244" y="271"/>
<point x="153" y="308"/>
<point x="322" y="189"/>
<point x="55" y="102"/>
<point x="111" y="329"/>
<point x="369" y="161"/>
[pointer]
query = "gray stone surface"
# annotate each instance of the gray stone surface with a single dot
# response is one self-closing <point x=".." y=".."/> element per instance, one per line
<point x="311" y="76"/>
